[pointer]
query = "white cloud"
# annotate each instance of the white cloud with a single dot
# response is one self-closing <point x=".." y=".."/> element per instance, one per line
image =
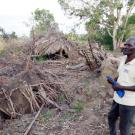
<point x="13" y="14"/>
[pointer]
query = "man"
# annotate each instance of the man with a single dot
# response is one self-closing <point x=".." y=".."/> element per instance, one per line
<point x="124" y="107"/>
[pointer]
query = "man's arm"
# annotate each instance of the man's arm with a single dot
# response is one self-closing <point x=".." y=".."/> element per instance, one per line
<point x="120" y="87"/>
<point x="126" y="88"/>
<point x="111" y="81"/>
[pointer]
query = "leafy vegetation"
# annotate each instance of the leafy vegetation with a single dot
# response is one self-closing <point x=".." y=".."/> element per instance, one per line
<point x="105" y="22"/>
<point x="7" y="36"/>
<point x="39" y="58"/>
<point x="46" y="116"/>
<point x="78" y="106"/>
<point x="102" y="15"/>
<point x="61" y="98"/>
<point x="68" y="117"/>
<point x="44" y="21"/>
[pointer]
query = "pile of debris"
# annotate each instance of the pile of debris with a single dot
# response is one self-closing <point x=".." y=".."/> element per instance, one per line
<point x="94" y="55"/>
<point x="55" y="46"/>
<point x="26" y="85"/>
<point x="25" y="90"/>
<point x="52" y="46"/>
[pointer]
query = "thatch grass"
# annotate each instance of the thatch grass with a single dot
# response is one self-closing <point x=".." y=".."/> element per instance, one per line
<point x="52" y="43"/>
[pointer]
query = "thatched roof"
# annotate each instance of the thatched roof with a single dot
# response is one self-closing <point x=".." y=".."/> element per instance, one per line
<point x="52" y="43"/>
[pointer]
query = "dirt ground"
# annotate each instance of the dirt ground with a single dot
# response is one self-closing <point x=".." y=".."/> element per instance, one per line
<point x="86" y="114"/>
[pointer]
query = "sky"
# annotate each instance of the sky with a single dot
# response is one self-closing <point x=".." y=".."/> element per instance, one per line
<point x="14" y="14"/>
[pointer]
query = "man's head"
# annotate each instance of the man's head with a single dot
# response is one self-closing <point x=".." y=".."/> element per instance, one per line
<point x="129" y="47"/>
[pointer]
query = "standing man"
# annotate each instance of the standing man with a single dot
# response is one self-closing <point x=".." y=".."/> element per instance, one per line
<point x="124" y="107"/>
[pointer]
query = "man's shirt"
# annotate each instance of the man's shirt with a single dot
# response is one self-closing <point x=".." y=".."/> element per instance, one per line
<point x="126" y="78"/>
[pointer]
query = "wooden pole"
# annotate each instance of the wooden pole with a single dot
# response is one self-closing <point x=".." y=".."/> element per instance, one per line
<point x="31" y="124"/>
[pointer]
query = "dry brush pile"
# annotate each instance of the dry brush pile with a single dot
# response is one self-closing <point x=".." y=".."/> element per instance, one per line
<point x="27" y="90"/>
<point x="26" y="84"/>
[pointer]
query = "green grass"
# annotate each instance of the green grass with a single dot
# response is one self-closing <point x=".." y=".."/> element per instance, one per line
<point x="39" y="58"/>
<point x="68" y="117"/>
<point x="78" y="106"/>
<point x="61" y="98"/>
<point x="46" y="116"/>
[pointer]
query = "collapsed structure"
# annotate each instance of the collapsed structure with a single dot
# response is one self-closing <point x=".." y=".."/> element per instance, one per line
<point x="55" y="46"/>
<point x="28" y="85"/>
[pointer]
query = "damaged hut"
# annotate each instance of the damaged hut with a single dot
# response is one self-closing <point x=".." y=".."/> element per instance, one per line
<point x="55" y="46"/>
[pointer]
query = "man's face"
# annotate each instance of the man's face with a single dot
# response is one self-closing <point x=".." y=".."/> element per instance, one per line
<point x="128" y="49"/>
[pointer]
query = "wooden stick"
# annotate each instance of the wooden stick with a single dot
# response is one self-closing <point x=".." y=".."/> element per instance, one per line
<point x="91" y="50"/>
<point x="53" y="103"/>
<point x="13" y="113"/>
<point x="31" y="124"/>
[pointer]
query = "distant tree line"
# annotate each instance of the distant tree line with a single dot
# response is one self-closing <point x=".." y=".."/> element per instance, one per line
<point x="6" y="36"/>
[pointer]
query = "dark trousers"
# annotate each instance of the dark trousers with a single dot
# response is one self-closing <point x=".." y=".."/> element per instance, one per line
<point x="126" y="114"/>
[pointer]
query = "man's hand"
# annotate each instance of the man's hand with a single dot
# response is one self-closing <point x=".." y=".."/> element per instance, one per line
<point x="117" y="87"/>
<point x="110" y="81"/>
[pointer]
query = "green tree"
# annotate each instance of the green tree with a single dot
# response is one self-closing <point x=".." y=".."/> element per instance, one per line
<point x="7" y="36"/>
<point x="13" y="35"/>
<point x="99" y="14"/>
<point x="72" y="35"/>
<point x="44" y="21"/>
<point x="130" y="29"/>
<point x="3" y="34"/>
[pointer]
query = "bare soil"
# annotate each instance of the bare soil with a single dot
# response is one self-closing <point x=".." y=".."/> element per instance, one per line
<point x="86" y="114"/>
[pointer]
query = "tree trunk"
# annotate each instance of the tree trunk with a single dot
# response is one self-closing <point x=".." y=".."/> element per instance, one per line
<point x="114" y="36"/>
<point x="114" y="44"/>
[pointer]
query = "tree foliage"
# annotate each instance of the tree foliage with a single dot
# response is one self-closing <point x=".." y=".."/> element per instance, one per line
<point x="131" y="19"/>
<point x="130" y="29"/>
<point x="112" y="15"/>
<point x="44" y="21"/>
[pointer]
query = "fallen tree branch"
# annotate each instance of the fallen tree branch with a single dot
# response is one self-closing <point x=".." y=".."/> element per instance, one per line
<point x="45" y="98"/>
<point x="53" y="103"/>
<point x="31" y="124"/>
